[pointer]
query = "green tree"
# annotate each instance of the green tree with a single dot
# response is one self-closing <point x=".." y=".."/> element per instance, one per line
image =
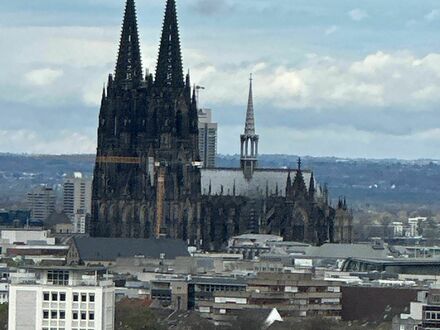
<point x="134" y="314"/>
<point x="4" y="316"/>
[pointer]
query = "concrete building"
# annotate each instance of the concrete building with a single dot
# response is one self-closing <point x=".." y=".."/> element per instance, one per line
<point x="25" y="237"/>
<point x="77" y="195"/>
<point x="207" y="138"/>
<point x="34" y="245"/>
<point x="61" y="298"/>
<point x="292" y="294"/>
<point x="41" y="202"/>
<point x="431" y="311"/>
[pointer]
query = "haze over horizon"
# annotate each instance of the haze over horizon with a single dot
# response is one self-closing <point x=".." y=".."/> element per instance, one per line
<point x="346" y="79"/>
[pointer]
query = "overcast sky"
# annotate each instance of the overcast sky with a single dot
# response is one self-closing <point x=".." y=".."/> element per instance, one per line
<point x="343" y="78"/>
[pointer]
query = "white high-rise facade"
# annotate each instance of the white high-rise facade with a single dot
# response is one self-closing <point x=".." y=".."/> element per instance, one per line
<point x="207" y="138"/>
<point x="41" y="202"/>
<point x="77" y="195"/>
<point x="74" y="298"/>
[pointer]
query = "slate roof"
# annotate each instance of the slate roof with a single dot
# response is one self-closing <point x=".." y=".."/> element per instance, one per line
<point x="262" y="178"/>
<point x="109" y="249"/>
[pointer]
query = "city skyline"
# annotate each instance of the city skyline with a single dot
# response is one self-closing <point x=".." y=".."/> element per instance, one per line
<point x="325" y="77"/>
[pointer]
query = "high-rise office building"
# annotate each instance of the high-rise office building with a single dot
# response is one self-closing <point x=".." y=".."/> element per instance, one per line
<point x="207" y="138"/>
<point x="77" y="195"/>
<point x="41" y="202"/>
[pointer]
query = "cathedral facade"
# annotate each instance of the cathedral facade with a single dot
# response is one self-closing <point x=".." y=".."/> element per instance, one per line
<point x="148" y="178"/>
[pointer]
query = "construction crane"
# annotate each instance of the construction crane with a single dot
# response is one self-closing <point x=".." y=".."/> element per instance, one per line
<point x="160" y="198"/>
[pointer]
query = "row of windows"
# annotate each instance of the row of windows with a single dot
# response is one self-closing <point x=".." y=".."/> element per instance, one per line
<point x="58" y="277"/>
<point x="76" y="297"/>
<point x="54" y="315"/>
<point x="55" y="296"/>
<point x="61" y="315"/>
<point x="432" y="316"/>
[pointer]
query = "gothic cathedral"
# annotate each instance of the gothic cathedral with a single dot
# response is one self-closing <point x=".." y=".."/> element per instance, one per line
<point x="148" y="181"/>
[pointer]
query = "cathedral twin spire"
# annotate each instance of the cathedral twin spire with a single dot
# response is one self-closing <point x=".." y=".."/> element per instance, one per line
<point x="169" y="70"/>
<point x="129" y="64"/>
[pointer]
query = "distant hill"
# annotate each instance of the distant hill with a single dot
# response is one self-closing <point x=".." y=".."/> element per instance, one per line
<point x="362" y="181"/>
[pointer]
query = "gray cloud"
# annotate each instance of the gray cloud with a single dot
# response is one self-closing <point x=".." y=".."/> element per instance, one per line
<point x="357" y="92"/>
<point x="212" y="7"/>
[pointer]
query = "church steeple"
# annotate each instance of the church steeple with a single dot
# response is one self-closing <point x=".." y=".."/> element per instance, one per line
<point x="129" y="65"/>
<point x="169" y="70"/>
<point x="249" y="140"/>
<point x="249" y="128"/>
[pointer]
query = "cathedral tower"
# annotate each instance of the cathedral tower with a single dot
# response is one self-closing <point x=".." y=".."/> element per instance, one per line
<point x="249" y="140"/>
<point x="146" y="179"/>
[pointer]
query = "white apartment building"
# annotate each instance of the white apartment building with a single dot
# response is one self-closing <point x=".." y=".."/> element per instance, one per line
<point x="77" y="195"/>
<point x="41" y="202"/>
<point x="207" y="138"/>
<point x="397" y="228"/>
<point x="413" y="224"/>
<point x="68" y="298"/>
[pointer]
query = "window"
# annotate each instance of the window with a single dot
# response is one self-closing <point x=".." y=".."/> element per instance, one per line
<point x="91" y="316"/>
<point x="53" y="314"/>
<point x="45" y="315"/>
<point x="54" y="296"/>
<point x="62" y="315"/>
<point x="92" y="297"/>
<point x="46" y="296"/>
<point x="83" y="316"/>
<point x="83" y="297"/>
<point x="75" y="297"/>
<point x="75" y="315"/>
<point x="58" y="277"/>
<point x="62" y="296"/>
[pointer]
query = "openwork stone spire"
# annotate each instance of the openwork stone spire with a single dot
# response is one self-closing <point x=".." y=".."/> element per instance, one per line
<point x="249" y="140"/>
<point x="169" y="70"/>
<point x="249" y="128"/>
<point x="129" y="65"/>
